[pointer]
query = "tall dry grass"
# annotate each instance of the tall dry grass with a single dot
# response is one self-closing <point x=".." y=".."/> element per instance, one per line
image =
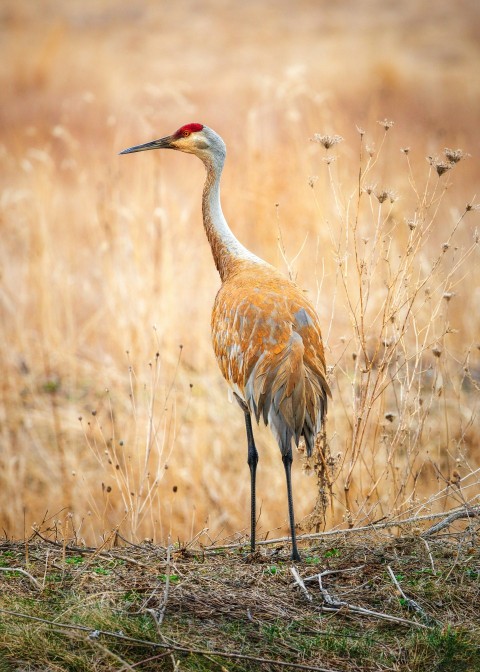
<point x="112" y="407"/>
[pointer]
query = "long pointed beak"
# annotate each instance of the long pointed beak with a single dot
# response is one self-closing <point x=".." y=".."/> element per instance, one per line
<point x="163" y="143"/>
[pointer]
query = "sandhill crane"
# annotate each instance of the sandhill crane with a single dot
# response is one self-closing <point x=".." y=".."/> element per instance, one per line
<point x="265" y="333"/>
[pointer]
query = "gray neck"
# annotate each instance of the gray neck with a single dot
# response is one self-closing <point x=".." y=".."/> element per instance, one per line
<point x="226" y="249"/>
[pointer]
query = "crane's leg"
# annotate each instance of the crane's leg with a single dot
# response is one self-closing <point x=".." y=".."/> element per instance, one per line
<point x="252" y="463"/>
<point x="287" y="463"/>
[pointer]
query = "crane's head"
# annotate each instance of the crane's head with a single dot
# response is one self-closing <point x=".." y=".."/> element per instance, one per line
<point x="191" y="138"/>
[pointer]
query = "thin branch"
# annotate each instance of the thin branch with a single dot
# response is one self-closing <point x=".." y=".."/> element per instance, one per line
<point x="365" y="528"/>
<point x="160" y="612"/>
<point x="375" y="614"/>
<point x="150" y="658"/>
<point x="429" y="554"/>
<point x="411" y="604"/>
<point x="168" y="646"/>
<point x="300" y="583"/>
<point x="101" y="647"/>
<point x="85" y="550"/>
<point x="336" y="605"/>
<point x="456" y="515"/>
<point x="326" y="572"/>
<point x="22" y="571"/>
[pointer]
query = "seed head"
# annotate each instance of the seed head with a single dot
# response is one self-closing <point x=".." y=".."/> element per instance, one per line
<point x="437" y="350"/>
<point x="454" y="155"/>
<point x="440" y="166"/>
<point x="412" y="224"/>
<point x="369" y="189"/>
<point x="448" y="295"/>
<point x="312" y="180"/>
<point x="386" y="194"/>
<point x="456" y="478"/>
<point x="386" y="124"/>
<point x="405" y="150"/>
<point x="327" y="141"/>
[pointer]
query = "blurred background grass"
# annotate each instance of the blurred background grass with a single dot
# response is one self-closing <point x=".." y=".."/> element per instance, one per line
<point x="111" y="405"/>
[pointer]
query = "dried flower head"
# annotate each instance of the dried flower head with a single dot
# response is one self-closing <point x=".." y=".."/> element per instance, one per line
<point x="390" y="417"/>
<point x="454" y="155"/>
<point x="405" y="150"/>
<point x="329" y="159"/>
<point x="370" y="150"/>
<point x="456" y="478"/>
<point x="448" y="295"/>
<point x="472" y="206"/>
<point x="386" y="194"/>
<point x="369" y="189"/>
<point x="437" y="350"/>
<point x="440" y="166"/>
<point x="412" y="224"/>
<point x="312" y="180"/>
<point x="386" y="124"/>
<point x="327" y="141"/>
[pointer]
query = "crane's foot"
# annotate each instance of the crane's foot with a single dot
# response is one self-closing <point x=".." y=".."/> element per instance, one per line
<point x="295" y="557"/>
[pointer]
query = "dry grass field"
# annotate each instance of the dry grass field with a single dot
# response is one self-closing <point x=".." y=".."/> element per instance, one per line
<point x="113" y="415"/>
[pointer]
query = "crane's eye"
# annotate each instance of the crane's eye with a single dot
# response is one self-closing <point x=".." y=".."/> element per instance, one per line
<point x="185" y="133"/>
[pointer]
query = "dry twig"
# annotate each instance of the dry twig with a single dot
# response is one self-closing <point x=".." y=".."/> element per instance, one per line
<point x="169" y="646"/>
<point x="456" y="515"/>
<point x="411" y="604"/>
<point x="300" y="583"/>
<point x="25" y="573"/>
<point x="335" y="605"/>
<point x="365" y="528"/>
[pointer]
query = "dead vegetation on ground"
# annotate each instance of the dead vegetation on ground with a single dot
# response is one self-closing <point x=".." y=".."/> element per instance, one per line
<point x="361" y="600"/>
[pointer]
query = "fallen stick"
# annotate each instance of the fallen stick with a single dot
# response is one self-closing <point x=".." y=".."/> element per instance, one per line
<point x="335" y="605"/>
<point x="456" y="515"/>
<point x="411" y="604"/>
<point x="168" y="646"/>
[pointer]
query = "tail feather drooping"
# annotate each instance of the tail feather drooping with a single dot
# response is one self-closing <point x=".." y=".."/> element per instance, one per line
<point x="283" y="391"/>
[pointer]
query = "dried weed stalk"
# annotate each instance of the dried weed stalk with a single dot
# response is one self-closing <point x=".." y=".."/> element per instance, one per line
<point x="409" y="408"/>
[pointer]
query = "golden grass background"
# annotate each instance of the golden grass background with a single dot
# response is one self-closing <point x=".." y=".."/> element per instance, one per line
<point x="111" y="406"/>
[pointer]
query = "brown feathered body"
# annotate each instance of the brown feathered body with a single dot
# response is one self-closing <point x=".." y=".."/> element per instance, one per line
<point x="269" y="348"/>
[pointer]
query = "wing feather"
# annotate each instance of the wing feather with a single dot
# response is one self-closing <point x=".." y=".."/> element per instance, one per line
<point x="268" y="345"/>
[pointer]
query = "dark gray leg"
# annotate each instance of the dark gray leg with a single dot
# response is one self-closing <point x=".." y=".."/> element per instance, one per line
<point x="252" y="463"/>
<point x="287" y="463"/>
